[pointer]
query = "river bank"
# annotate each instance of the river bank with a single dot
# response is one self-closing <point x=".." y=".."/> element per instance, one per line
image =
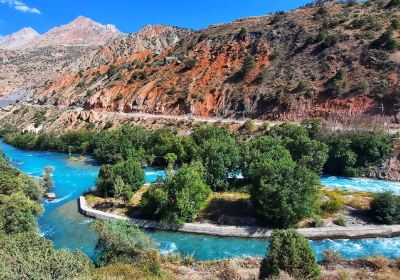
<point x="353" y="232"/>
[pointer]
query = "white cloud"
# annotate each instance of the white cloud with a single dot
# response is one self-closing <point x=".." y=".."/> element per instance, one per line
<point x="21" y="6"/>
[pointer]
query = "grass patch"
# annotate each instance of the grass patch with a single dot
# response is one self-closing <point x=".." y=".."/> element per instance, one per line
<point x="335" y="202"/>
<point x="227" y="204"/>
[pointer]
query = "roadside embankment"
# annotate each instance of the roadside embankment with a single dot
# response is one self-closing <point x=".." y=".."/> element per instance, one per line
<point x="353" y="232"/>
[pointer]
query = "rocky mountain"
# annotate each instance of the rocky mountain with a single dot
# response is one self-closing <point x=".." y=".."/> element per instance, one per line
<point x="152" y="37"/>
<point x="80" y="32"/>
<point x="19" y="40"/>
<point x="29" y="61"/>
<point x="336" y="61"/>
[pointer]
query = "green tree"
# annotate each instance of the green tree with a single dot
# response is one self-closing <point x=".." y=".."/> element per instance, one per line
<point x="115" y="146"/>
<point x="282" y="191"/>
<point x="177" y="199"/>
<point x="18" y="213"/>
<point x="305" y="151"/>
<point x="284" y="199"/>
<point x="289" y="251"/>
<point x="122" y="190"/>
<point x="105" y="181"/>
<point x="219" y="154"/>
<point x="385" y="209"/>
<point x="129" y="172"/>
<point x="341" y="157"/>
<point x="47" y="180"/>
<point x="163" y="142"/>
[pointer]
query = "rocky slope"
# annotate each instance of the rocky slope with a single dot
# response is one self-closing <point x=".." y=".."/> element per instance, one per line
<point x="152" y="37"/>
<point x="336" y="61"/>
<point x="29" y="61"/>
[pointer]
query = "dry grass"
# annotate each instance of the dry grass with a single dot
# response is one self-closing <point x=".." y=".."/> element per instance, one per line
<point x="227" y="204"/>
<point x="127" y="272"/>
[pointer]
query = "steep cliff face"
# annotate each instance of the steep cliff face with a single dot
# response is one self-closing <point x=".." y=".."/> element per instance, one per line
<point x="333" y="61"/>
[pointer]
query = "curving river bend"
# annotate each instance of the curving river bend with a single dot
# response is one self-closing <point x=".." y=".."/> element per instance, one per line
<point x="62" y="223"/>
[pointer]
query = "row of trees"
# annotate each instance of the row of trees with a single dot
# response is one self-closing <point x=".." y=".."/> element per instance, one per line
<point x="280" y="166"/>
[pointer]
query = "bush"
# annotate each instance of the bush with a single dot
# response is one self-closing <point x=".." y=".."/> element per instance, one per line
<point x="334" y="204"/>
<point x="386" y="41"/>
<point x="290" y="252"/>
<point x="28" y="256"/>
<point x="177" y="199"/>
<point x="190" y="64"/>
<point x="248" y="64"/>
<point x="340" y="221"/>
<point x="385" y="209"/>
<point x="122" y="242"/>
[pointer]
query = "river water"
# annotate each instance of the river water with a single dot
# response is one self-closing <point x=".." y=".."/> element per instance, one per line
<point x="62" y="223"/>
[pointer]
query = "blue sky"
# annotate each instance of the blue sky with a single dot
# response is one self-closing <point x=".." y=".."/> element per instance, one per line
<point x="131" y="15"/>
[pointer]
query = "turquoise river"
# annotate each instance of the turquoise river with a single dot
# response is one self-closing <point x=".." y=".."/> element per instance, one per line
<point x="62" y="223"/>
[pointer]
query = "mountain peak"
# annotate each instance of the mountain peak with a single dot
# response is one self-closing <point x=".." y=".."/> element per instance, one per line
<point x="80" y="31"/>
<point x="20" y="39"/>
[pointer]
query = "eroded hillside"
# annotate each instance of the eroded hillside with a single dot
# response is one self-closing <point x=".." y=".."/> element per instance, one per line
<point x="337" y="61"/>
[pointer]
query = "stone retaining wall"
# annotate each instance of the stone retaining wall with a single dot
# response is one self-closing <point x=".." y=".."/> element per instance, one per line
<point x="353" y="232"/>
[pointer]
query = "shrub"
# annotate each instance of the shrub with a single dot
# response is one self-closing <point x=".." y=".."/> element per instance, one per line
<point x="376" y="262"/>
<point x="112" y="70"/>
<point x="122" y="242"/>
<point x="190" y="64"/>
<point x="242" y="34"/>
<point x="393" y="4"/>
<point x="290" y="252"/>
<point x="340" y="221"/>
<point x="386" y="41"/>
<point x="385" y="209"/>
<point x="248" y="64"/>
<point x="28" y="256"/>
<point x="177" y="199"/>
<point x="334" y="204"/>
<point x="395" y="24"/>
<point x="330" y="41"/>
<point x="332" y="257"/>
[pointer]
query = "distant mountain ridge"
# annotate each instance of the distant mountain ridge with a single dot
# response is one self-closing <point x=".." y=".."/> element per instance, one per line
<point x="80" y="32"/>
<point x="19" y="40"/>
<point x="29" y="60"/>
